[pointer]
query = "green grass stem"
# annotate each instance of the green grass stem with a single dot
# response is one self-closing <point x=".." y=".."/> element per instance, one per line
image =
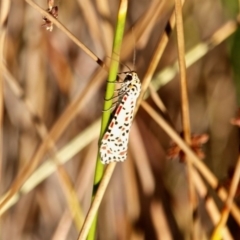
<point x="109" y="93"/>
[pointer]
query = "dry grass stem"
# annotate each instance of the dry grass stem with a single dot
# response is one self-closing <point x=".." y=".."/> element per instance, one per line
<point x="217" y="233"/>
<point x="160" y="221"/>
<point x="68" y="33"/>
<point x="184" y="98"/>
<point x="183" y="75"/>
<point x="210" y="205"/>
<point x="143" y="166"/>
<point x="96" y="202"/>
<point x="4" y="13"/>
<point x="155" y="60"/>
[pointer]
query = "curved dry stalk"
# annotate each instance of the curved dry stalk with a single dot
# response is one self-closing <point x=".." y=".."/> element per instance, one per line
<point x="206" y="173"/>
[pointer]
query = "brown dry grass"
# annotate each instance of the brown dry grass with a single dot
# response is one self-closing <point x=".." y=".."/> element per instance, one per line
<point x="52" y="85"/>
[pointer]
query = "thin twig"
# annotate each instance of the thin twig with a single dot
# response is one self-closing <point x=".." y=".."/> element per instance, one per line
<point x="184" y="97"/>
<point x="68" y="33"/>
<point x="182" y="71"/>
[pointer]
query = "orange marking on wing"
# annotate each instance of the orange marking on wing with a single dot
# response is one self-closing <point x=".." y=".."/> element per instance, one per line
<point x="104" y="147"/>
<point x="105" y="136"/>
<point x="111" y="125"/>
<point x="118" y="109"/>
<point x="123" y="153"/>
<point x="126" y="119"/>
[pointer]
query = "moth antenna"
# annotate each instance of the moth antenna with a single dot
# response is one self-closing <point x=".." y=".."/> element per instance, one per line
<point x="120" y="64"/>
<point x="111" y="108"/>
<point x="117" y="96"/>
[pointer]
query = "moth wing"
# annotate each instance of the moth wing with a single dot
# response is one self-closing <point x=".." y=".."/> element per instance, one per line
<point x="114" y="142"/>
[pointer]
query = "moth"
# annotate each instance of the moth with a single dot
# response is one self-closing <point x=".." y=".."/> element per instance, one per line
<point x="114" y="144"/>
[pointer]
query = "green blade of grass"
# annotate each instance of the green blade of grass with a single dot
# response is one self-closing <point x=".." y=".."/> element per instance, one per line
<point x="108" y="103"/>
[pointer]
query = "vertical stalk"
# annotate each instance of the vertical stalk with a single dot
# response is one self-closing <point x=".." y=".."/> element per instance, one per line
<point x="107" y="104"/>
<point x="184" y="96"/>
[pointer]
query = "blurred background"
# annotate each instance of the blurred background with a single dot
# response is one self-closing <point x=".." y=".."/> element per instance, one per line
<point x="49" y="80"/>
